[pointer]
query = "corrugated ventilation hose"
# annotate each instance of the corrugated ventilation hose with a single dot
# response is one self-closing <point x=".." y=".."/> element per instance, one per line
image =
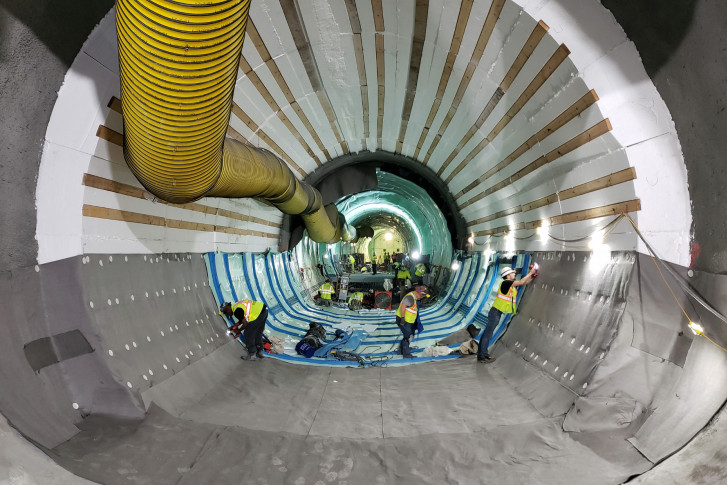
<point x="179" y="62"/>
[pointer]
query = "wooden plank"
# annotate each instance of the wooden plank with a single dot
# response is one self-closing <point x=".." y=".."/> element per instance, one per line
<point x="378" y="12"/>
<point x="137" y="218"/>
<point x="533" y="41"/>
<point x="106" y="133"/>
<point x="101" y="183"/>
<point x="257" y="41"/>
<point x="237" y="111"/>
<point x="577" y="216"/>
<point x="353" y="17"/>
<point x="465" y="10"/>
<point x="577" y="141"/>
<point x="485" y="34"/>
<point x="610" y="180"/>
<point x="560" y="54"/>
<point x="120" y="215"/>
<point x="115" y="104"/>
<point x="421" y="13"/>
<point x="568" y="114"/>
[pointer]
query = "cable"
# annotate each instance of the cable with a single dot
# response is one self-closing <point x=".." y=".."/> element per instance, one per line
<point x="683" y="284"/>
<point x="697" y="329"/>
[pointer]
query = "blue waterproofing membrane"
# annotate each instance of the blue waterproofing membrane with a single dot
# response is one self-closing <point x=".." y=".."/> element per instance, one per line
<point x="275" y="280"/>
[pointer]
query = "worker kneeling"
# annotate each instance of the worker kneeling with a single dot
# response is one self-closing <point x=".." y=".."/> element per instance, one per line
<point x="355" y="300"/>
<point x="251" y="316"/>
<point x="407" y="318"/>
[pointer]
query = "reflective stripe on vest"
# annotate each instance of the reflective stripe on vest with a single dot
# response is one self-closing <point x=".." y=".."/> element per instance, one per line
<point x="420" y="270"/>
<point x="411" y="312"/>
<point x="251" y="308"/>
<point x="326" y="291"/>
<point x="506" y="303"/>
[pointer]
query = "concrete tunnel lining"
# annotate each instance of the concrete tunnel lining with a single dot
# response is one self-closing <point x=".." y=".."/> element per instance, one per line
<point x="29" y="263"/>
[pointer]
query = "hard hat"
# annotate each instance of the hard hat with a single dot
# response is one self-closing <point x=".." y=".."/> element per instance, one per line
<point x="223" y="305"/>
<point x="506" y="271"/>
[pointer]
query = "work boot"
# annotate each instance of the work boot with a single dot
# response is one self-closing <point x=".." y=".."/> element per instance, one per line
<point x="410" y="356"/>
<point x="486" y="360"/>
<point x="249" y="357"/>
<point x="260" y="354"/>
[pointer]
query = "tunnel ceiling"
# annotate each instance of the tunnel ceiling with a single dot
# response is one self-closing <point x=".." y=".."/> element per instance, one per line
<point x="524" y="113"/>
<point x="484" y="93"/>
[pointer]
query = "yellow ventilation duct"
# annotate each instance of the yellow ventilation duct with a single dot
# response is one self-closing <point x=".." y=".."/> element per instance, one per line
<point x="179" y="62"/>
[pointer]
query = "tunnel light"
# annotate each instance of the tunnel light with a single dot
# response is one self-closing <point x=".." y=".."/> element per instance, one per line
<point x="697" y="329"/>
<point x="596" y="240"/>
<point x="455" y="266"/>
<point x="388" y="236"/>
<point x="325" y="256"/>
<point x="542" y="231"/>
<point x="415" y="255"/>
<point x="471" y="239"/>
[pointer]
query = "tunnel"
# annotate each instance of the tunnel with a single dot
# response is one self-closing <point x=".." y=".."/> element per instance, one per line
<point x="474" y="136"/>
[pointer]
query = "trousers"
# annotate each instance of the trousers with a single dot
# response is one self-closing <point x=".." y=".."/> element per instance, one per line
<point x="493" y="318"/>
<point x="408" y="330"/>
<point x="253" y="332"/>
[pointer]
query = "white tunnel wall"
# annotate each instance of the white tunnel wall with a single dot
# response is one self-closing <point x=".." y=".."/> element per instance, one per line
<point x="328" y="115"/>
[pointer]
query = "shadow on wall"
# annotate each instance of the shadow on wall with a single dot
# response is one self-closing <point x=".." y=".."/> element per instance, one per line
<point x="657" y="27"/>
<point x="64" y="43"/>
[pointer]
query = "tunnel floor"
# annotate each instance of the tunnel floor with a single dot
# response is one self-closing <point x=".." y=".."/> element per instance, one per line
<point x="224" y="420"/>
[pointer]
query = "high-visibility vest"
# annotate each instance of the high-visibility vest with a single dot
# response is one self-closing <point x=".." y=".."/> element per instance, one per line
<point x="403" y="274"/>
<point x="351" y="259"/>
<point x="326" y="291"/>
<point x="251" y="308"/>
<point x="411" y="312"/>
<point x="356" y="296"/>
<point x="420" y="269"/>
<point x="506" y="303"/>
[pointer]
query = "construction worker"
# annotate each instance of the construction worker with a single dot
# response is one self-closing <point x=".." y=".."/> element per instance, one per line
<point x="407" y="318"/>
<point x="351" y="262"/>
<point x="251" y="316"/>
<point x="327" y="290"/>
<point x="419" y="271"/>
<point x="506" y="302"/>
<point x="402" y="276"/>
<point x="355" y="300"/>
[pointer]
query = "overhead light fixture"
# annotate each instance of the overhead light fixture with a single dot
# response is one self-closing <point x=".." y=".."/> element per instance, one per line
<point x="415" y="255"/>
<point x="471" y="239"/>
<point x="697" y="329"/>
<point x="455" y="266"/>
<point x="388" y="236"/>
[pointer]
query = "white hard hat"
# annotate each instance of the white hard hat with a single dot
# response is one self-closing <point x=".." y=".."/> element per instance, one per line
<point x="506" y="271"/>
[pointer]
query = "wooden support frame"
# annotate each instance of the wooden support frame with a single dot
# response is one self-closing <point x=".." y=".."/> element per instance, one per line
<point x="577" y="216"/>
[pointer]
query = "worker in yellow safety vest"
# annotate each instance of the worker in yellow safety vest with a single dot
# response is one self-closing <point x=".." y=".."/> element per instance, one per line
<point x="251" y="316"/>
<point x="355" y="300"/>
<point x="327" y="290"/>
<point x="402" y="275"/>
<point x="506" y="302"/>
<point x="419" y="271"/>
<point x="351" y="262"/>
<point x="406" y="318"/>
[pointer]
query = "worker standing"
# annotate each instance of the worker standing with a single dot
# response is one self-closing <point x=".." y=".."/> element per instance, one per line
<point x="407" y="316"/>
<point x="506" y="302"/>
<point x="351" y="262"/>
<point x="402" y="276"/>
<point x="326" y="292"/>
<point x="251" y="316"/>
<point x="419" y="271"/>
